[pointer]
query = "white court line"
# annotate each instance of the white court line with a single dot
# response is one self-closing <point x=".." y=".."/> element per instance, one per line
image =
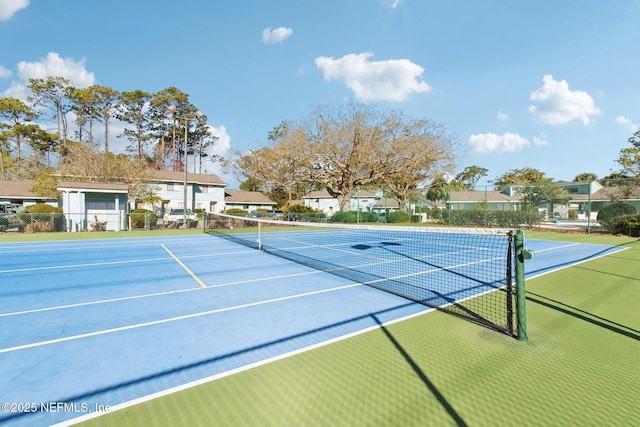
<point x="155" y="322"/>
<point x="575" y="263"/>
<point x="79" y="245"/>
<point x="259" y="363"/>
<point x="156" y="294"/>
<point x="568" y="245"/>
<point x="171" y="319"/>
<point x="184" y="266"/>
<point x="132" y="261"/>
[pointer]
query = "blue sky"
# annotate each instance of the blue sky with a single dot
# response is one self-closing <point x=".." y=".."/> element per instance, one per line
<point x="552" y="85"/>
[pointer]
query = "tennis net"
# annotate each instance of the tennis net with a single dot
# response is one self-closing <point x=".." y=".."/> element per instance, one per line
<point x="465" y="272"/>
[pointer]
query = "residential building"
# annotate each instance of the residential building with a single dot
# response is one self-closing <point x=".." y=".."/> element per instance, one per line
<point x="361" y="200"/>
<point x="19" y="192"/>
<point x="493" y="200"/>
<point x="94" y="204"/>
<point x="204" y="192"/>
<point x="589" y="197"/>
<point x="249" y="201"/>
<point x="322" y="201"/>
<point x="385" y="205"/>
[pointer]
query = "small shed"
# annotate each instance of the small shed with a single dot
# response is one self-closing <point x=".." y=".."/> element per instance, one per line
<point x="94" y="205"/>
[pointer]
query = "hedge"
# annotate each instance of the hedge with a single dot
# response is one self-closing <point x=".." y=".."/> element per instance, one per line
<point x="627" y="224"/>
<point x="353" y="217"/>
<point x="607" y="215"/>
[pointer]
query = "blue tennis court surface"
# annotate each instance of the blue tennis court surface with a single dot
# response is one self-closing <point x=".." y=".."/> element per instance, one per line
<point x="90" y="326"/>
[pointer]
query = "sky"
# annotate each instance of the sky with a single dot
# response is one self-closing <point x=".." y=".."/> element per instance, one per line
<point x="551" y="85"/>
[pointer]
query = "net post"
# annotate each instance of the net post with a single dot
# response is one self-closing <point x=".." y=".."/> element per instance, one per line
<point x="521" y="298"/>
<point x="259" y="236"/>
<point x="509" y="284"/>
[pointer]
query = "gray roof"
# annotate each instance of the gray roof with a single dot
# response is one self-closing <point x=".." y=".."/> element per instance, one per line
<point x="606" y="194"/>
<point x="101" y="187"/>
<point x="387" y="203"/>
<point x="18" y="189"/>
<point x="246" y="197"/>
<point x="198" y="178"/>
<point x="323" y="194"/>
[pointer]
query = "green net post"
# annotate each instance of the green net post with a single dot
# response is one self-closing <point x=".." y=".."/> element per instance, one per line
<point x="521" y="255"/>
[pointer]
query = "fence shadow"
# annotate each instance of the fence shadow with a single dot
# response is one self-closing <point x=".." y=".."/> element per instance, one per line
<point x="584" y="315"/>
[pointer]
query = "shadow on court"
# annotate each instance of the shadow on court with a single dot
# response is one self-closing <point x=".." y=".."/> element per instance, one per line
<point x="78" y="399"/>
<point x="444" y="302"/>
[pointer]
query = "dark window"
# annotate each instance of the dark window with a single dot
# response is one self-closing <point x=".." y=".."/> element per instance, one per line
<point x="100" y="202"/>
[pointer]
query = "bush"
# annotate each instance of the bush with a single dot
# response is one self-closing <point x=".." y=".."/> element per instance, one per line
<point x="627" y="224"/>
<point x="42" y="208"/>
<point x="434" y="214"/>
<point x="42" y="217"/>
<point x="143" y="218"/>
<point x="299" y="209"/>
<point x="235" y="211"/>
<point x="507" y="219"/>
<point x="608" y="214"/>
<point x="353" y="217"/>
<point x="397" y="217"/>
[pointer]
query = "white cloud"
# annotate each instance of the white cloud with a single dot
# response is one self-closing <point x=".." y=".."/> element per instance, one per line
<point x="492" y="143"/>
<point x="4" y="72"/>
<point x="502" y="116"/>
<point x="222" y="147"/>
<point x="557" y="105"/>
<point x="627" y="123"/>
<point x="54" y="65"/>
<point x="540" y="140"/>
<point x="278" y="35"/>
<point x="223" y="144"/>
<point x="9" y="7"/>
<point x="392" y="3"/>
<point x="16" y="90"/>
<point x="391" y="80"/>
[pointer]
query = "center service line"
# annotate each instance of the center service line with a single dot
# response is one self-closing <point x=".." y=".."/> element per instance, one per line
<point x="191" y="273"/>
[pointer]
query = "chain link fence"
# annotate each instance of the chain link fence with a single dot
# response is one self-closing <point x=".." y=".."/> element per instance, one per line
<point x="82" y="222"/>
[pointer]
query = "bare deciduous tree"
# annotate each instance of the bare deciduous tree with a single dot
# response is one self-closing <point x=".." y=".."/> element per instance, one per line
<point x="343" y="148"/>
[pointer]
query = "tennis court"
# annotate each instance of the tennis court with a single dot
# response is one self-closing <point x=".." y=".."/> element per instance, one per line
<point x="92" y="326"/>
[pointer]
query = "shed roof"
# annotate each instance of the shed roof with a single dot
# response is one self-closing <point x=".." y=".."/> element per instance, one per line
<point x="98" y="187"/>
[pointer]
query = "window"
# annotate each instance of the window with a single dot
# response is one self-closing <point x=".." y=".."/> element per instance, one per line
<point x="101" y="202"/>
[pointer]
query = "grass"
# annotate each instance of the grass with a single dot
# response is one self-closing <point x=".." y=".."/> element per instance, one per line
<point x="580" y="366"/>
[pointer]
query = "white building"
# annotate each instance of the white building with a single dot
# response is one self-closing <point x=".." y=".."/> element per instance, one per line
<point x="249" y="201"/>
<point x="205" y="192"/>
<point x="86" y="204"/>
